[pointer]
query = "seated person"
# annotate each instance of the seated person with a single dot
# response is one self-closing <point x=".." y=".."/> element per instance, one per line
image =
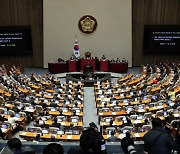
<point x="12" y="121"/>
<point x="55" y="123"/>
<point x="38" y="123"/>
<point x="91" y="142"/>
<point x="2" y="135"/>
<point x="103" y="57"/>
<point x="113" y="138"/>
<point x="172" y="94"/>
<point x="2" y="118"/>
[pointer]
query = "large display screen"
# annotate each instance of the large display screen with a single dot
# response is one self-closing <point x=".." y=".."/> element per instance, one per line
<point x="161" y="39"/>
<point x="15" y="40"/>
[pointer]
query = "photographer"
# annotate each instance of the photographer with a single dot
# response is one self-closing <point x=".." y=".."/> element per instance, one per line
<point x="158" y="140"/>
<point x="91" y="142"/>
<point x="127" y="144"/>
<point x="175" y="131"/>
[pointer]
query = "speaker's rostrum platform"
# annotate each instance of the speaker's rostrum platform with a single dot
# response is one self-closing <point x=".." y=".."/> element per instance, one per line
<point x="88" y="79"/>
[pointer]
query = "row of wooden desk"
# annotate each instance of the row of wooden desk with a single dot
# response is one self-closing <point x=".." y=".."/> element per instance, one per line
<point x="97" y="65"/>
<point x="66" y="137"/>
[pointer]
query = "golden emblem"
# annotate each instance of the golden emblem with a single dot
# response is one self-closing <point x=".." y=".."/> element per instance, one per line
<point x="87" y="24"/>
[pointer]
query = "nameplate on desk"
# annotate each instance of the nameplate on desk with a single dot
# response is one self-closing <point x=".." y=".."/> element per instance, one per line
<point x="100" y="113"/>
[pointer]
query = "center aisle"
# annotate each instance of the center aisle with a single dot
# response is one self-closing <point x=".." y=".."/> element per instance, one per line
<point x="90" y="111"/>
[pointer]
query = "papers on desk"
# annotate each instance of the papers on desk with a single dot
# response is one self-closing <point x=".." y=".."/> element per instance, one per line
<point x="60" y="132"/>
<point x="74" y="120"/>
<point x="69" y="137"/>
<point x="106" y="99"/>
<point x="100" y="113"/>
<point x="53" y="110"/>
<point x="8" y="105"/>
<point x="41" y="122"/>
<point x="56" y="102"/>
<point x="113" y="113"/>
<point x="63" y="123"/>
<point x="159" y="107"/>
<point x="125" y="121"/>
<point x="108" y="136"/>
<point x="141" y="110"/>
<point x="108" y="120"/>
<point x="43" y="119"/>
<point x="78" y="111"/>
<point x="65" y="110"/>
<point x="102" y="96"/>
<point x="121" y="136"/>
<point x="103" y="123"/>
<point x="136" y="135"/>
<point x="3" y="130"/>
<point x="114" y="102"/>
<point x="45" y="101"/>
<point x="108" y="92"/>
<point x="16" y="118"/>
<point x="29" y="110"/>
<point x="126" y="103"/>
<point x="23" y="133"/>
<point x="176" y="115"/>
<point x="137" y="121"/>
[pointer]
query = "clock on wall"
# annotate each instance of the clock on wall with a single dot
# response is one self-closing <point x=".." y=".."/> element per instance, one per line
<point x="87" y="24"/>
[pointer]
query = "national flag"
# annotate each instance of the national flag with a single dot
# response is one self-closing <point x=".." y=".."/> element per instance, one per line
<point x="76" y="50"/>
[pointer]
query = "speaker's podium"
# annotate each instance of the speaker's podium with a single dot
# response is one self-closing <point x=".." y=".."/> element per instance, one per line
<point x="88" y="70"/>
<point x="85" y="61"/>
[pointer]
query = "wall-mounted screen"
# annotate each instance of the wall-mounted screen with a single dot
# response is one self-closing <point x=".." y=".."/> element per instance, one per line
<point x="15" y="40"/>
<point x="161" y="39"/>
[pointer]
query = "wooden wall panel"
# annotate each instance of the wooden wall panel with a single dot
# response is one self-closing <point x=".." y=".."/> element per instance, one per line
<point x="24" y="13"/>
<point x="152" y="12"/>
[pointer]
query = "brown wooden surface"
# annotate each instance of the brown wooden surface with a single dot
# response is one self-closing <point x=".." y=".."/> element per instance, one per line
<point x="152" y="12"/>
<point x="24" y="13"/>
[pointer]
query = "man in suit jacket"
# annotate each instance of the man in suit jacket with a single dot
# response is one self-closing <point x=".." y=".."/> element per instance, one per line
<point x="159" y="140"/>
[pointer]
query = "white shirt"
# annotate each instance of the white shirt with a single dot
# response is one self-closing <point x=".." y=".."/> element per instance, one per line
<point x="12" y="120"/>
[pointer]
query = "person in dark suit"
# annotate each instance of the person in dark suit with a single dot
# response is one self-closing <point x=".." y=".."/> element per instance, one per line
<point x="159" y="140"/>
<point x="56" y="124"/>
<point x="127" y="144"/>
<point x="113" y="138"/>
